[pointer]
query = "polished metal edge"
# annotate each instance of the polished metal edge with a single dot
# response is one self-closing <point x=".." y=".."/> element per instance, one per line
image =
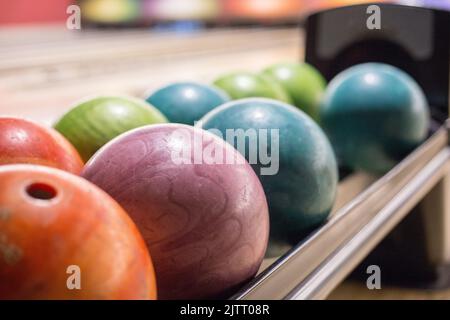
<point x="337" y="266"/>
<point x="285" y="277"/>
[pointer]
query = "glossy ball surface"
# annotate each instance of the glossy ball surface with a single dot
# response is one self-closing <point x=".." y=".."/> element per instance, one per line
<point x="205" y="223"/>
<point x="303" y="83"/>
<point x="301" y="193"/>
<point x="374" y="115"/>
<point x="26" y="142"/>
<point x="241" y="85"/>
<point x="186" y="102"/>
<point x="92" y="123"/>
<point x="56" y="227"/>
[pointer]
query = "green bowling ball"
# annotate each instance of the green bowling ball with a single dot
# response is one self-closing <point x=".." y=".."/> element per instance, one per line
<point x="110" y="11"/>
<point x="291" y="156"/>
<point x="374" y="115"/>
<point x="241" y="85"/>
<point x="92" y="123"/>
<point x="303" y="83"/>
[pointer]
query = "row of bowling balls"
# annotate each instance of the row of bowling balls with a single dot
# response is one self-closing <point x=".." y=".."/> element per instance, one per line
<point x="373" y="114"/>
<point x="205" y="225"/>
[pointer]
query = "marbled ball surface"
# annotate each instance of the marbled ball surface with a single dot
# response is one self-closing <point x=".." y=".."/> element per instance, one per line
<point x="301" y="192"/>
<point x="206" y="222"/>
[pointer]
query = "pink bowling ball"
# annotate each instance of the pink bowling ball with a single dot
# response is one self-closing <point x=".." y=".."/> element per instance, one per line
<point x="198" y="204"/>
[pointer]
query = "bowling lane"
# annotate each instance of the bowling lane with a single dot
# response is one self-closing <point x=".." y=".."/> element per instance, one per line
<point x="60" y="71"/>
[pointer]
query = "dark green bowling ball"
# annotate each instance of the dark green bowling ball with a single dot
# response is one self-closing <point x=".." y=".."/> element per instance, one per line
<point x="374" y="114"/>
<point x="303" y="83"/>
<point x="301" y="192"/>
<point x="187" y="102"/>
<point x="241" y="85"/>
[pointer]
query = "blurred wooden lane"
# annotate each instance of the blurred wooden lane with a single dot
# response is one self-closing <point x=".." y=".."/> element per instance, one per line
<point x="41" y="80"/>
<point x="90" y="47"/>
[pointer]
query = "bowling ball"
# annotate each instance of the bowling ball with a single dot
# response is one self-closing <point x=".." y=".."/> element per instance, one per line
<point x="374" y="114"/>
<point x="63" y="238"/>
<point x="186" y="10"/>
<point x="263" y="10"/>
<point x="23" y="141"/>
<point x="93" y="122"/>
<point x="246" y="85"/>
<point x="436" y="4"/>
<point x="204" y="217"/>
<point x="291" y="156"/>
<point x="303" y="83"/>
<point x="186" y="102"/>
<point x="110" y="11"/>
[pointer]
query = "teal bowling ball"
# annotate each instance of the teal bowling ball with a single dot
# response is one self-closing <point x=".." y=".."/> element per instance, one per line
<point x="374" y="115"/>
<point x="300" y="176"/>
<point x="187" y="102"/>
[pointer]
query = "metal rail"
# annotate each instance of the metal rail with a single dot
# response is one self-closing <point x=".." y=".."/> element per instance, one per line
<point x="316" y="266"/>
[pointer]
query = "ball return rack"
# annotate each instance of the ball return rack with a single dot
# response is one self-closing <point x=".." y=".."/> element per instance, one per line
<point x="400" y="221"/>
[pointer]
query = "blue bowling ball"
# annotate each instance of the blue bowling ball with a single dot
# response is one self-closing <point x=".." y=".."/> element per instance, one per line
<point x="374" y="115"/>
<point x="187" y="102"/>
<point x="292" y="157"/>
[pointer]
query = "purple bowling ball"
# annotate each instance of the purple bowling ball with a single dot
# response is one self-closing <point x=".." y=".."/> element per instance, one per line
<point x="198" y="204"/>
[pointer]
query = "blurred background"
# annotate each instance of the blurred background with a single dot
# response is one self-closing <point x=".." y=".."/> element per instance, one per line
<point x="134" y="46"/>
<point x="183" y="14"/>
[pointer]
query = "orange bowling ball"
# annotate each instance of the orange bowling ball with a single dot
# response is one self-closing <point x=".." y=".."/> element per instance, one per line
<point x="23" y="141"/>
<point x="63" y="238"/>
<point x="264" y="9"/>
